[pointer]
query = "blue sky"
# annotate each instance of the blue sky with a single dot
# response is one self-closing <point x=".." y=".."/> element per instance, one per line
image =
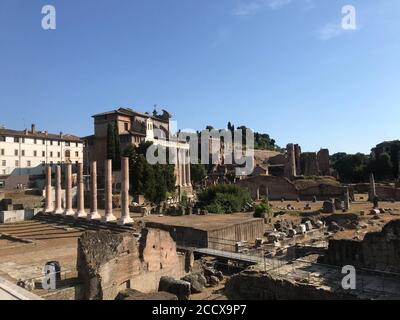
<point x="284" y="67"/>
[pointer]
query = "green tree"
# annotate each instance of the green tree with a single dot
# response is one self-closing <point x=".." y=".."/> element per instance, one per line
<point x="352" y="167"/>
<point x="224" y="198"/>
<point x="110" y="142"/>
<point x="198" y="172"/>
<point x="382" y="167"/>
<point x="117" y="144"/>
<point x="113" y="145"/>
<point x="156" y="181"/>
<point x="263" y="209"/>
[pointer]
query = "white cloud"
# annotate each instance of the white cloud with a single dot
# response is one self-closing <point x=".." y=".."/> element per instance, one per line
<point x="245" y="9"/>
<point x="332" y="30"/>
<point x="329" y="31"/>
<point x="277" y="4"/>
<point x="253" y="7"/>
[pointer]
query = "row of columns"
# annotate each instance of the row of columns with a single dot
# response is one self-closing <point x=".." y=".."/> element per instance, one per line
<point x="81" y="213"/>
<point x="183" y="165"/>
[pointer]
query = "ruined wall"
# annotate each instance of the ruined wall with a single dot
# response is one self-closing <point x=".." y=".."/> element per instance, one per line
<point x="108" y="263"/>
<point x="278" y="187"/>
<point x="384" y="192"/>
<point x="309" y="164"/>
<point x="221" y="238"/>
<point x="254" y="285"/>
<point x="249" y="231"/>
<point x="377" y="251"/>
<point x="324" y="192"/>
<point x="323" y="162"/>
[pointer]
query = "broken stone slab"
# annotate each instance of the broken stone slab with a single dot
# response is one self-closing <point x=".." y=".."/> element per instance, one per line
<point x="179" y="288"/>
<point x="197" y="282"/>
<point x="131" y="294"/>
<point x="214" y="280"/>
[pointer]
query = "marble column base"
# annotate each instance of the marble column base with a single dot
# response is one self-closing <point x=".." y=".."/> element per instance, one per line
<point x="125" y="220"/>
<point x="69" y="213"/>
<point x="94" y="216"/>
<point x="80" y="214"/>
<point x="109" y="218"/>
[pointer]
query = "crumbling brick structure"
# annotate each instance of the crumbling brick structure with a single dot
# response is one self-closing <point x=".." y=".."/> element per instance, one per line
<point x="109" y="263"/>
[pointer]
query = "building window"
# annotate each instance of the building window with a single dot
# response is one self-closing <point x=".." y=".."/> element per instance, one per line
<point x="77" y="154"/>
<point x="2" y="152"/>
<point x="23" y="153"/>
<point x="58" y="143"/>
<point x="43" y="153"/>
<point x="43" y="141"/>
<point x="15" y="152"/>
<point x="67" y="144"/>
<point x="16" y="163"/>
<point x="23" y="140"/>
<point x="126" y="126"/>
<point x="35" y="153"/>
<point x="51" y="142"/>
<point x="3" y="163"/>
<point x="16" y="139"/>
<point x="58" y="154"/>
<point x="2" y="138"/>
<point x="77" y="144"/>
<point x="28" y="163"/>
<point x="35" y="141"/>
<point x="51" y="154"/>
<point x="67" y="154"/>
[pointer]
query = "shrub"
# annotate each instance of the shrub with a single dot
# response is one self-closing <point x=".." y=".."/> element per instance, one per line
<point x="263" y="209"/>
<point x="224" y="198"/>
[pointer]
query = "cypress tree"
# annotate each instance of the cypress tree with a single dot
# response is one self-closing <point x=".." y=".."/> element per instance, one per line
<point x="110" y="142"/>
<point x="117" y="147"/>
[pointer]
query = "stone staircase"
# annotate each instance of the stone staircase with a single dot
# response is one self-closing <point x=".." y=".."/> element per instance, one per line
<point x="81" y="223"/>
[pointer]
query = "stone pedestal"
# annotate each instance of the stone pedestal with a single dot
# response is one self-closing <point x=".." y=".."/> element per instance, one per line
<point x="81" y="213"/>
<point x="108" y="196"/>
<point x="94" y="214"/>
<point x="58" y="209"/>
<point x="125" y="217"/>
<point x="48" y="200"/>
<point x="68" y="191"/>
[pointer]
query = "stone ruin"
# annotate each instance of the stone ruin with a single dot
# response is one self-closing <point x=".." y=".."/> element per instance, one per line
<point x="109" y="263"/>
<point x="377" y="251"/>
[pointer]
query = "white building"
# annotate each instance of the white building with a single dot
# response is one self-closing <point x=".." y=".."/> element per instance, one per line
<point x="26" y="152"/>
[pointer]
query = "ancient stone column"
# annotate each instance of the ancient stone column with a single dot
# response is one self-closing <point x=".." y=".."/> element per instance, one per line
<point x="108" y="193"/>
<point x="68" y="191"/>
<point x="94" y="214"/>
<point x="188" y="178"/>
<point x="125" y="217"/>
<point x="58" y="209"/>
<point x="346" y="199"/>
<point x="291" y="160"/>
<point x="48" y="200"/>
<point x="183" y="154"/>
<point x="176" y="167"/>
<point x="81" y="213"/>
<point x="372" y="188"/>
